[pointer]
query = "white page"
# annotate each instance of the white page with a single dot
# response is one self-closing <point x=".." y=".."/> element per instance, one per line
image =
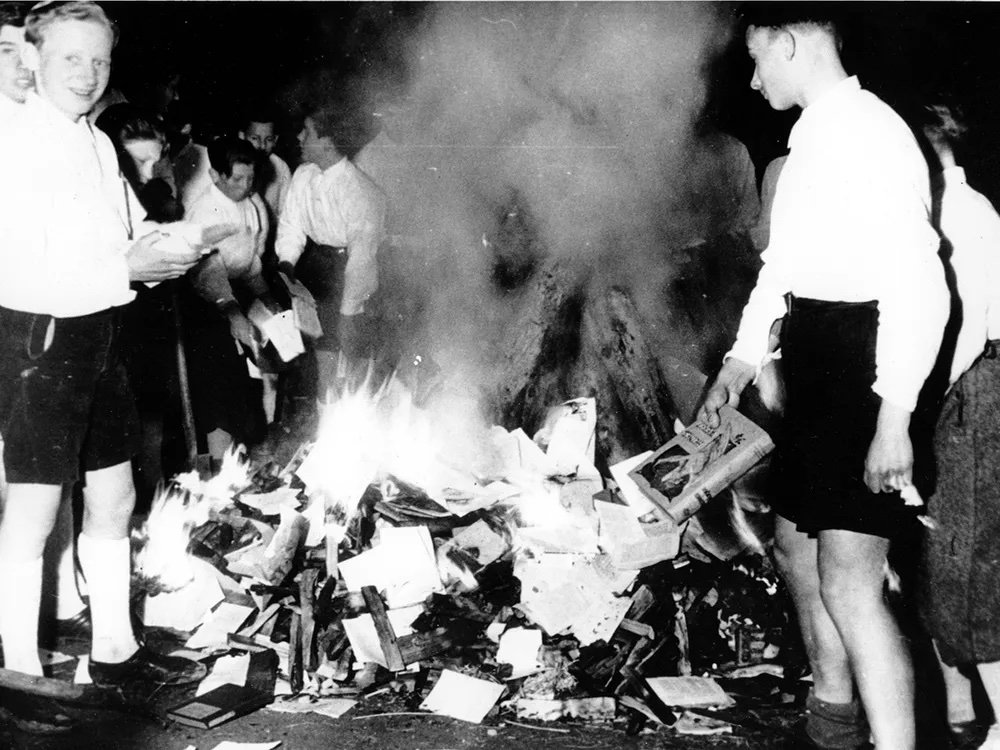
<point x="462" y="697"/>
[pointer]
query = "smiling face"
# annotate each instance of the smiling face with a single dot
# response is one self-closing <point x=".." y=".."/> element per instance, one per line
<point x="15" y="79"/>
<point x="769" y="50"/>
<point x="73" y="64"/>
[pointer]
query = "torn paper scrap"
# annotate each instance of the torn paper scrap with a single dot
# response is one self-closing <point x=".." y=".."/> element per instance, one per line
<point x="230" y="745"/>
<point x="462" y="697"/>
<point x="51" y="658"/>
<point x="636" y="498"/>
<point x="332" y="707"/>
<point x="269" y="504"/>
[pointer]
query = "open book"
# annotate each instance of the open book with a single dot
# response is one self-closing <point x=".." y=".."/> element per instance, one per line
<point x="701" y="462"/>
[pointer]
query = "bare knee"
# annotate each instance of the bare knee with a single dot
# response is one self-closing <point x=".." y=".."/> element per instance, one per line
<point x="848" y="594"/>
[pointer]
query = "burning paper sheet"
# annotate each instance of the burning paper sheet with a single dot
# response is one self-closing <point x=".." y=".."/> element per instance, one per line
<point x="569" y="434"/>
<point x="185" y="608"/>
<point x="462" y="697"/>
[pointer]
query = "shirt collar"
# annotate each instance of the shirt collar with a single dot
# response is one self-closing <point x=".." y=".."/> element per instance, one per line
<point x="953" y="177"/>
<point x="340" y="166"/>
<point x="830" y="100"/>
<point x="52" y="116"/>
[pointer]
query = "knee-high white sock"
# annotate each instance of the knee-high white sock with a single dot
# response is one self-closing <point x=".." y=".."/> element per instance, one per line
<point x="107" y="566"/>
<point x="68" y="601"/>
<point x="21" y="595"/>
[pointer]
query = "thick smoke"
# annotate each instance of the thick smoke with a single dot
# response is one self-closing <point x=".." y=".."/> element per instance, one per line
<point x="564" y="130"/>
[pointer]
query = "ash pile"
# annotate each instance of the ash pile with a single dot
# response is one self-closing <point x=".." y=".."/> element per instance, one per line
<point x="380" y="570"/>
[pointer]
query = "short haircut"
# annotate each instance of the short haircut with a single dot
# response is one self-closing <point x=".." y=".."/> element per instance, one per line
<point x="258" y="113"/>
<point x="12" y="14"/>
<point x="227" y="151"/>
<point x="44" y="14"/>
<point x="784" y="15"/>
<point x="125" y="123"/>
<point x="344" y="124"/>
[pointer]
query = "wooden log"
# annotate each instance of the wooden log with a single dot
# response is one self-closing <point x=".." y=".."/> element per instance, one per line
<point x="613" y="328"/>
<point x="419" y="646"/>
<point x="307" y="601"/>
<point x="386" y="634"/>
<point x="296" y="674"/>
<point x="533" y="333"/>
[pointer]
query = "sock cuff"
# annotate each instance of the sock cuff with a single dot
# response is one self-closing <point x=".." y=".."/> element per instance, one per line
<point x="93" y="550"/>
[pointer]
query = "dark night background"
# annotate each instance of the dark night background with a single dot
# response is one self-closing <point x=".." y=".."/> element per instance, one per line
<point x="229" y="53"/>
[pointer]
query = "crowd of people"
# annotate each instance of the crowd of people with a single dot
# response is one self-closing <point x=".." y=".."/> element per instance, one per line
<point x="137" y="271"/>
<point x="137" y="263"/>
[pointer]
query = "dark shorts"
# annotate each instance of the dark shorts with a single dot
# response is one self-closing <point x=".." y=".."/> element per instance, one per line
<point x="321" y="269"/>
<point x="828" y="363"/>
<point x="65" y="407"/>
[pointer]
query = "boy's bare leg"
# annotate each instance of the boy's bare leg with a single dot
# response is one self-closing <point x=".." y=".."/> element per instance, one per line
<point x="797" y="557"/>
<point x="62" y="548"/>
<point x="29" y="516"/>
<point x="852" y="572"/>
<point x="958" y="692"/>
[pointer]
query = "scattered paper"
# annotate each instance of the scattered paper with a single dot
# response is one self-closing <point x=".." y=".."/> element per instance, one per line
<point x="364" y="639"/>
<point x="482" y="542"/>
<point x="694" y="724"/>
<point x="228" y="670"/>
<point x="519" y="647"/>
<point x="332" y="707"/>
<point x="689" y="692"/>
<point x="230" y="745"/>
<point x="631" y="544"/>
<point x="404" y="565"/>
<point x="218" y="624"/>
<point x="462" y="697"/>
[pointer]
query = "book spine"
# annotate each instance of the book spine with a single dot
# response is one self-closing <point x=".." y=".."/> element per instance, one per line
<point x="714" y="481"/>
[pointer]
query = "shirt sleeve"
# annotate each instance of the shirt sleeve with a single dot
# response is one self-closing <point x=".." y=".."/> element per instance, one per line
<point x="291" y="237"/>
<point x="991" y="245"/>
<point x="908" y="277"/>
<point x="366" y="227"/>
<point x="766" y="304"/>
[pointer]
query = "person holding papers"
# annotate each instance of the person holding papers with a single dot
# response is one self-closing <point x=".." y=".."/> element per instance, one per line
<point x="227" y="403"/>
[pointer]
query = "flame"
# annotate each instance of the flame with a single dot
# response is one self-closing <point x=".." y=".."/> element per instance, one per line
<point x="162" y="560"/>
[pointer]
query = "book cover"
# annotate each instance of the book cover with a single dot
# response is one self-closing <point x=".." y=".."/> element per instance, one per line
<point x="219" y="705"/>
<point x="701" y="462"/>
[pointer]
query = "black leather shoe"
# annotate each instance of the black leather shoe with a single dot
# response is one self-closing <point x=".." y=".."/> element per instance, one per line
<point x="147" y="667"/>
<point x="33" y="714"/>
<point x="75" y="628"/>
